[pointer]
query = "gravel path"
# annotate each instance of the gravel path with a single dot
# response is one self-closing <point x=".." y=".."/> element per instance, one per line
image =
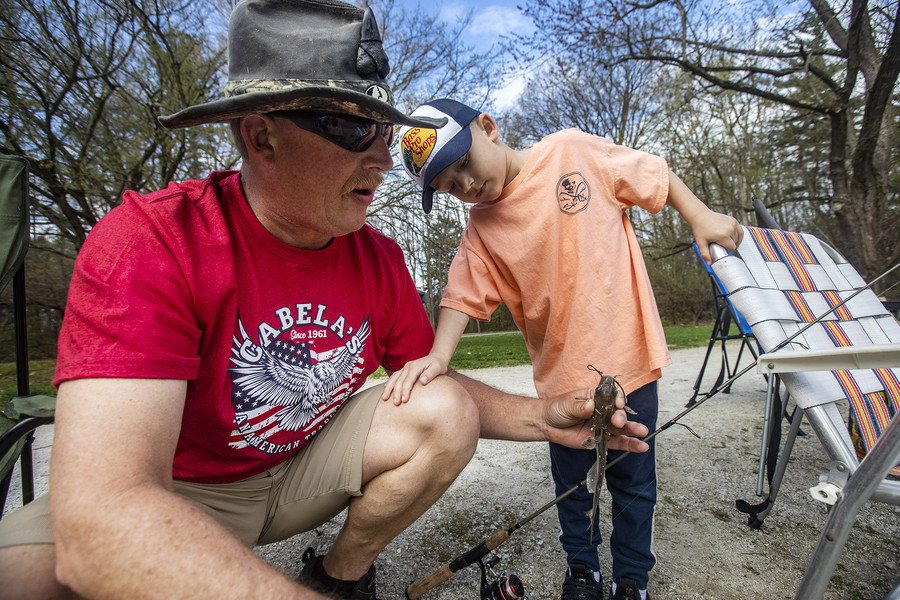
<point x="703" y="546"/>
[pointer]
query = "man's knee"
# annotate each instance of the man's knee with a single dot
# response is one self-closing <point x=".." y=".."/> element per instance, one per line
<point x="449" y="414"/>
<point x="30" y="572"/>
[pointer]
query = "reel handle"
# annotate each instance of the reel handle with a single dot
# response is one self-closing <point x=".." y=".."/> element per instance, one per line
<point x="417" y="589"/>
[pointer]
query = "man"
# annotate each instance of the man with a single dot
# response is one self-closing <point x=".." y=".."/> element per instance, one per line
<point x="216" y="339"/>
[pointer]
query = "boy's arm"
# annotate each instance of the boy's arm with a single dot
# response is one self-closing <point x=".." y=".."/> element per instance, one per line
<point x="708" y="226"/>
<point x="451" y="325"/>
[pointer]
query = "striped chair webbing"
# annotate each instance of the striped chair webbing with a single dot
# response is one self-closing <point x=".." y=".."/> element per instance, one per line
<point x="791" y="249"/>
<point x="872" y="411"/>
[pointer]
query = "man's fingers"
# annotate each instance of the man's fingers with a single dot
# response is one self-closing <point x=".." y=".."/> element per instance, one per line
<point x="627" y="444"/>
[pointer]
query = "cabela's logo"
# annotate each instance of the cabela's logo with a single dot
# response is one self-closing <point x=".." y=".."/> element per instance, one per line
<point x="289" y="381"/>
<point x="416" y="147"/>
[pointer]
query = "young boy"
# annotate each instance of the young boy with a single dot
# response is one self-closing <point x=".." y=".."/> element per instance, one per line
<point x="548" y="235"/>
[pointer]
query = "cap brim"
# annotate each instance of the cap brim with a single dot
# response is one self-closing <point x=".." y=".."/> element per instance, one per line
<point x="321" y="98"/>
<point x="427" y="199"/>
<point x="451" y="152"/>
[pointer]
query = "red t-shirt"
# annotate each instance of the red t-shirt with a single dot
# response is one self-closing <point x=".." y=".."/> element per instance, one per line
<point x="185" y="283"/>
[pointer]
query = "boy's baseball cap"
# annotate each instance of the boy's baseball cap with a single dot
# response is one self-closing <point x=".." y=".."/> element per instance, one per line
<point x="426" y="152"/>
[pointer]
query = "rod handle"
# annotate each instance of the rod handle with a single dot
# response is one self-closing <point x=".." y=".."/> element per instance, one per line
<point x="417" y="589"/>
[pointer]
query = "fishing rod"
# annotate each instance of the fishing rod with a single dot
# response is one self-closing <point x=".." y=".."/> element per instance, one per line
<point x="476" y="554"/>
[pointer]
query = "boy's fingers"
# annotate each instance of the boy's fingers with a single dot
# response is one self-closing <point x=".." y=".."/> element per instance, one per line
<point x="703" y="247"/>
<point x="429" y="373"/>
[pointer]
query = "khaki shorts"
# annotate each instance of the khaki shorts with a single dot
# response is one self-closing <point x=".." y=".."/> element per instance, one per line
<point x="295" y="496"/>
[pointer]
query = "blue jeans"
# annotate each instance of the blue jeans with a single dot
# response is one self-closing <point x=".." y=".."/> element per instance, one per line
<point x="632" y="486"/>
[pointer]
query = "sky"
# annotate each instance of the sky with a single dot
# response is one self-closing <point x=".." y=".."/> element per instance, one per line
<point x="491" y="19"/>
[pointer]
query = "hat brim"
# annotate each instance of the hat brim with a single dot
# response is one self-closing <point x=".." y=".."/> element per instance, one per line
<point x="319" y="98"/>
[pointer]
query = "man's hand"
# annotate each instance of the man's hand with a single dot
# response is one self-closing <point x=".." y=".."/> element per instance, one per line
<point x="568" y="421"/>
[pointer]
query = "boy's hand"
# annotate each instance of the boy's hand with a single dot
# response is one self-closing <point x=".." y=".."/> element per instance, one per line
<point x="400" y="383"/>
<point x="712" y="227"/>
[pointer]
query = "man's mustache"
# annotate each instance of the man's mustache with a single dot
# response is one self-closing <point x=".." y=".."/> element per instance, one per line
<point x="363" y="182"/>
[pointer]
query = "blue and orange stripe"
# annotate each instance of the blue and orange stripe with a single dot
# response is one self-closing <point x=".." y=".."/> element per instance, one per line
<point x="794" y="258"/>
<point x="837" y="334"/>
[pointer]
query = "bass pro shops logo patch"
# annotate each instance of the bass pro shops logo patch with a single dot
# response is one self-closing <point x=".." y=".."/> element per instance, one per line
<point x="416" y="147"/>
<point x="573" y="193"/>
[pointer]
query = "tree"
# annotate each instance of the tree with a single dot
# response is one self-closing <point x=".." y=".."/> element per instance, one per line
<point x="577" y="91"/>
<point x="836" y="68"/>
<point x="81" y="87"/>
<point x="428" y="60"/>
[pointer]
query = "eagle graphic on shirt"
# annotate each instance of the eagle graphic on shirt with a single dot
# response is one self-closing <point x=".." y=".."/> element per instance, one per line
<point x="284" y="386"/>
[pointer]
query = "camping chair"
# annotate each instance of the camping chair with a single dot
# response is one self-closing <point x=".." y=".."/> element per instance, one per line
<point x="782" y="281"/>
<point x="21" y="415"/>
<point x="726" y="316"/>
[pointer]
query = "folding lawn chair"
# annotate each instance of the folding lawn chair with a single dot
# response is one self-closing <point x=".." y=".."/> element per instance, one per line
<point x="781" y="282"/>
<point x="21" y="415"/>
<point x="726" y="317"/>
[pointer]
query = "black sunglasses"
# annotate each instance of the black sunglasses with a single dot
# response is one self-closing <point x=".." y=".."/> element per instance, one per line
<point x="350" y="133"/>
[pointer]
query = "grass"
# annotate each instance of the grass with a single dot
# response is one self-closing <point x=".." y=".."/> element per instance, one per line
<point x="473" y="352"/>
<point x="40" y="375"/>
<point x="490" y="350"/>
<point x="687" y="336"/>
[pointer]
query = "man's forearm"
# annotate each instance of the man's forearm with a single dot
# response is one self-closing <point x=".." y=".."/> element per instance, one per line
<point x="503" y="416"/>
<point x="149" y="543"/>
<point x="563" y="419"/>
<point x="121" y="532"/>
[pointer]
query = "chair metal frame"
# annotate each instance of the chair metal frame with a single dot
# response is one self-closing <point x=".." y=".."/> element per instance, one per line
<point x="726" y="316"/>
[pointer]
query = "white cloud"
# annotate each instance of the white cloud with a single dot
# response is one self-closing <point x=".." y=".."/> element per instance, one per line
<point x="491" y="20"/>
<point x="507" y="96"/>
<point x="451" y="12"/>
<point x="497" y="20"/>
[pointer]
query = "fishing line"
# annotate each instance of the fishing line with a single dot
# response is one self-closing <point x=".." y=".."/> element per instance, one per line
<point x="476" y="553"/>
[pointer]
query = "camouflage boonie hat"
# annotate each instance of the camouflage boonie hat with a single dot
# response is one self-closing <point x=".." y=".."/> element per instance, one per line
<point x="317" y="55"/>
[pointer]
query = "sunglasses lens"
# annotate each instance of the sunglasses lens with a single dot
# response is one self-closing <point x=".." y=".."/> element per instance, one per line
<point x="385" y="130"/>
<point x="347" y="134"/>
<point x="350" y="133"/>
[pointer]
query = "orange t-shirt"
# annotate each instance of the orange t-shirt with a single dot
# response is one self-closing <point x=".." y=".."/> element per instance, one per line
<point x="558" y="249"/>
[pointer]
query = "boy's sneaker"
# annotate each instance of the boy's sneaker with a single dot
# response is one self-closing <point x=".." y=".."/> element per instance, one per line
<point x="314" y="576"/>
<point x="627" y="589"/>
<point x="580" y="583"/>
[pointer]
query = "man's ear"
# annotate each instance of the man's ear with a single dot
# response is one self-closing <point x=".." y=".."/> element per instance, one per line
<point x="487" y="124"/>
<point x="257" y="132"/>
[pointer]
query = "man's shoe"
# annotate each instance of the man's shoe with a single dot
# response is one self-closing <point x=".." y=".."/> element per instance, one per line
<point x="314" y="576"/>
<point x="580" y="583"/>
<point x="627" y="589"/>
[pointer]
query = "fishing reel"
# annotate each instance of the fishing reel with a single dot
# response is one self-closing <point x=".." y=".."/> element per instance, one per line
<point x="503" y="586"/>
